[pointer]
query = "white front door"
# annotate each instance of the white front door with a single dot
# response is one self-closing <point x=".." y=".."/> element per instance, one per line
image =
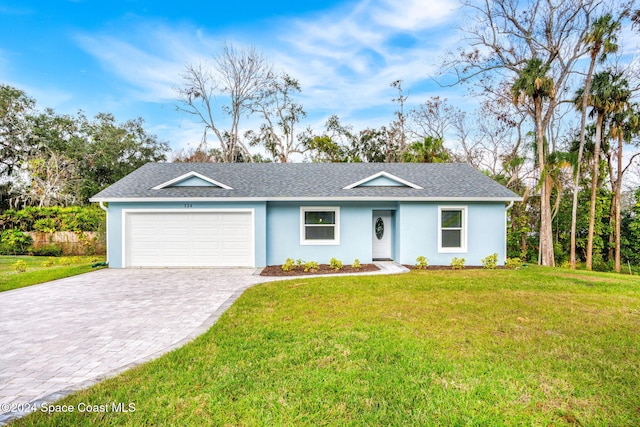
<point x="382" y="236"/>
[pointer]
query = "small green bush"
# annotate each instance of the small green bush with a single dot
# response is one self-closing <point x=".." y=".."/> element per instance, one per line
<point x="356" y="264"/>
<point x="457" y="263"/>
<point x="288" y="265"/>
<point x="513" y="263"/>
<point x="311" y="266"/>
<point x="299" y="263"/>
<point x="48" y="263"/>
<point x="335" y="264"/>
<point x="20" y="266"/>
<point x="422" y="263"/>
<point x="490" y="262"/>
<point x="48" y="250"/>
<point x="66" y="261"/>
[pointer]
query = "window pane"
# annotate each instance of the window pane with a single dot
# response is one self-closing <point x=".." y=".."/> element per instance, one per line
<point x="319" y="233"/>
<point x="451" y="238"/>
<point x="328" y="217"/>
<point x="451" y="219"/>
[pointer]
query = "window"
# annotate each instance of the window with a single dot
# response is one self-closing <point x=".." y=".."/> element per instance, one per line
<point x="452" y="229"/>
<point x="319" y="226"/>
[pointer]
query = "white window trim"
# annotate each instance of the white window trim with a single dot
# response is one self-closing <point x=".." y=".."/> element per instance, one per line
<point x="335" y="241"/>
<point x="463" y="236"/>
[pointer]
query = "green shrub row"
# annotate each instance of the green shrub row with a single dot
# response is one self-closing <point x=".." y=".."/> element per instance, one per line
<point x="54" y="218"/>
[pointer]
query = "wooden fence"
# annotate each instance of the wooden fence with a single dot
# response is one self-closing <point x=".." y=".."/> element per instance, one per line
<point x="71" y="243"/>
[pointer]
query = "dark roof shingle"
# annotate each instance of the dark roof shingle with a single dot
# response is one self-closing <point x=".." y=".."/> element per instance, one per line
<point x="276" y="181"/>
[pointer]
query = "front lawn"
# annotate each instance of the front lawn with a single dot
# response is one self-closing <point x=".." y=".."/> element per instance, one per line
<point x="531" y="347"/>
<point x="39" y="270"/>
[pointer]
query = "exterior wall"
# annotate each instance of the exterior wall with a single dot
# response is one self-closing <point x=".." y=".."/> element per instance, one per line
<point x="277" y="230"/>
<point x="418" y="232"/>
<point x="356" y="225"/>
<point x="115" y="225"/>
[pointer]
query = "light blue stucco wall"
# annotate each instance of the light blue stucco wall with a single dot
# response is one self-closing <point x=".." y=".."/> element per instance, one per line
<point x="283" y="233"/>
<point x="418" y="232"/>
<point x="114" y="225"/>
<point x="415" y="231"/>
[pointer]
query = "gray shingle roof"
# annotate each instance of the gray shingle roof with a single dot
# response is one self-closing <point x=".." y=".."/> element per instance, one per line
<point x="310" y="181"/>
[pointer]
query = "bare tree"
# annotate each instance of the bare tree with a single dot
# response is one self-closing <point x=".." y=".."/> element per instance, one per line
<point x="239" y="75"/>
<point x="281" y="115"/>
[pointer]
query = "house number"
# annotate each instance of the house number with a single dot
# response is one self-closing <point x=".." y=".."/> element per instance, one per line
<point x="188" y="205"/>
<point x="379" y="228"/>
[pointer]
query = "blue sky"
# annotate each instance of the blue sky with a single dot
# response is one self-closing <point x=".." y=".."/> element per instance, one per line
<point x="125" y="56"/>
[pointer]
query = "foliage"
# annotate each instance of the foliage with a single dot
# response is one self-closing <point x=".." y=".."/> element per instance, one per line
<point x="48" y="250"/>
<point x="335" y="264"/>
<point x="288" y="265"/>
<point x="14" y="242"/>
<point x="490" y="262"/>
<point x="457" y="263"/>
<point x="422" y="262"/>
<point x="356" y="264"/>
<point x="20" y="266"/>
<point x="310" y="266"/>
<point x="48" y="263"/>
<point x="513" y="263"/>
<point x="55" y="218"/>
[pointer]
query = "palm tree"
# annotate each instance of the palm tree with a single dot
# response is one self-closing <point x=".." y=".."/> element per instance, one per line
<point x="608" y="95"/>
<point x="601" y="40"/>
<point x="429" y="150"/>
<point x="625" y="125"/>
<point x="534" y="84"/>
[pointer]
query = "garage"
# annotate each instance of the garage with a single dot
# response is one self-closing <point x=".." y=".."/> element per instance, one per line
<point x="188" y="239"/>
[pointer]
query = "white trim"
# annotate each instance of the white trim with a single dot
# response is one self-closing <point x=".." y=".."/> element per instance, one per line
<point x="186" y="211"/>
<point x="386" y="175"/>
<point x="336" y="235"/>
<point x="190" y="175"/>
<point x="463" y="234"/>
<point x="303" y="199"/>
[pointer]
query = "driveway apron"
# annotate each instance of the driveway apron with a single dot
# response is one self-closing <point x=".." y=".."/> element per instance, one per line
<point x="67" y="334"/>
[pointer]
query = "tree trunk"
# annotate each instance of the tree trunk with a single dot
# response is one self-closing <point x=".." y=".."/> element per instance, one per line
<point x="594" y="191"/>
<point x="576" y="183"/>
<point x="618" y="197"/>
<point x="546" y="230"/>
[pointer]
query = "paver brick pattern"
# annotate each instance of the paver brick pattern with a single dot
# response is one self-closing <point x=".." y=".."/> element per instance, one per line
<point x="67" y="334"/>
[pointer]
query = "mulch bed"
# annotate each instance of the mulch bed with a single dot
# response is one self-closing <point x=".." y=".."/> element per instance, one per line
<point x="448" y="267"/>
<point x="276" y="270"/>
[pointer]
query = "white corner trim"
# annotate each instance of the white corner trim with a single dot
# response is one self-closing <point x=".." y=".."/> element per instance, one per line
<point x="190" y="175"/>
<point x="386" y="175"/>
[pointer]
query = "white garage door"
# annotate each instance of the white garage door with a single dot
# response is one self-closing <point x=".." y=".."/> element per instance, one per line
<point x="189" y="239"/>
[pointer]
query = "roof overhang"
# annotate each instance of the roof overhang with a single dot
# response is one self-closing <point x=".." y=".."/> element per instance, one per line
<point x="302" y="199"/>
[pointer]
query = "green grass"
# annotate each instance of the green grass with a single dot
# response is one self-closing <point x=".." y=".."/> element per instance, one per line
<point x="36" y="273"/>
<point x="476" y="347"/>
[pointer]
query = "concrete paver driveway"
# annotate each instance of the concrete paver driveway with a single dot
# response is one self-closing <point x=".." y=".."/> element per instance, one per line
<point x="65" y="335"/>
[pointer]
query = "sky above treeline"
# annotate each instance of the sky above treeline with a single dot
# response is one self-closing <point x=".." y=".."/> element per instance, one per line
<point x="125" y="57"/>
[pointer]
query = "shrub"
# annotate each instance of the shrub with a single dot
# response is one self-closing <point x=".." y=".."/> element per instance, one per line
<point x="457" y="263"/>
<point x="422" y="263"/>
<point x="66" y="261"/>
<point x="20" y="266"/>
<point x="490" y="262"/>
<point x="513" y="263"/>
<point x="299" y="263"/>
<point x="45" y="225"/>
<point x="335" y="264"/>
<point x="48" y="263"/>
<point x="356" y="264"/>
<point x="14" y="242"/>
<point x="48" y="250"/>
<point x="311" y="266"/>
<point x="288" y="265"/>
